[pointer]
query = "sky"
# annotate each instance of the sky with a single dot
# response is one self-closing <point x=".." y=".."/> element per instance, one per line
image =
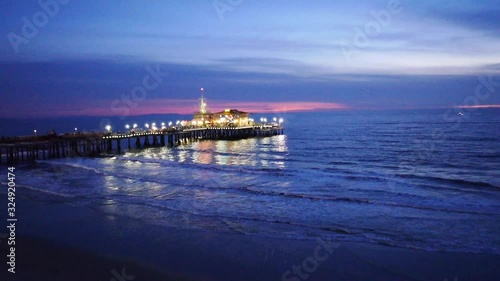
<point x="117" y="58"/>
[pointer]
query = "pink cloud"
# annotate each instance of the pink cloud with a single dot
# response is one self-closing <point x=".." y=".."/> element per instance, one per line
<point x="480" y="106"/>
<point x="281" y="106"/>
<point x="161" y="106"/>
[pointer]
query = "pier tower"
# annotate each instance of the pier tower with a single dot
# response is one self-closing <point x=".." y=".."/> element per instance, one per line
<point x="204" y="117"/>
<point x="203" y="104"/>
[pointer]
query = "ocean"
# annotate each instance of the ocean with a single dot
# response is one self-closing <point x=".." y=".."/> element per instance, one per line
<point x="421" y="179"/>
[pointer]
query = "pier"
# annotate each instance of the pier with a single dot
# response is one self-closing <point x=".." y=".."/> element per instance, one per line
<point x="29" y="149"/>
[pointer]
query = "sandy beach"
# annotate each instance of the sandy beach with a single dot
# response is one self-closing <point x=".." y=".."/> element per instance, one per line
<point x="57" y="241"/>
<point x="41" y="259"/>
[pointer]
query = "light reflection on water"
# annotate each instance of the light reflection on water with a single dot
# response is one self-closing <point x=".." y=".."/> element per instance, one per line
<point x="203" y="152"/>
<point x="265" y="152"/>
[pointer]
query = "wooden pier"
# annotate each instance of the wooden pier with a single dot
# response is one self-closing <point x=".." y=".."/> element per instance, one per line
<point x="29" y="149"/>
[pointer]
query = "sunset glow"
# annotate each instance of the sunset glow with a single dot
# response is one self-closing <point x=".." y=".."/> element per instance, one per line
<point x="480" y="106"/>
<point x="173" y="106"/>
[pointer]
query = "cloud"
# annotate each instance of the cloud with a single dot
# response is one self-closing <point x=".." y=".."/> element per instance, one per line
<point x="71" y="88"/>
<point x="479" y="106"/>
<point x="285" y="106"/>
<point x="268" y="65"/>
<point x="486" y="20"/>
<point x="167" y="106"/>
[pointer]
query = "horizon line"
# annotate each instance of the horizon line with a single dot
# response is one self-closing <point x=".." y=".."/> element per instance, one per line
<point x="275" y="111"/>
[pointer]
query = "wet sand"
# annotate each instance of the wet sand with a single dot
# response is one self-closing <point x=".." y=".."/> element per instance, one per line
<point x="40" y="259"/>
<point x="59" y="241"/>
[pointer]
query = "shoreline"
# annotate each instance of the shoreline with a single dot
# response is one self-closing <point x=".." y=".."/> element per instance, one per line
<point x="105" y="241"/>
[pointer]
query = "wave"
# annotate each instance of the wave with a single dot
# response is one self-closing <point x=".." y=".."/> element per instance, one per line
<point x="343" y="233"/>
<point x="461" y="182"/>
<point x="372" y="202"/>
<point x="367" y="178"/>
<point x="304" y="196"/>
<point x="45" y="191"/>
<point x="339" y="162"/>
<point x="212" y="167"/>
<point x="73" y="165"/>
<point x="487" y="156"/>
<point x="439" y="209"/>
<point x="337" y="229"/>
<point x="168" y="163"/>
<point x="274" y="193"/>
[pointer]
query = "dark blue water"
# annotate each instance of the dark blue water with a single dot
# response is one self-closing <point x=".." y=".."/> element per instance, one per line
<point x="411" y="179"/>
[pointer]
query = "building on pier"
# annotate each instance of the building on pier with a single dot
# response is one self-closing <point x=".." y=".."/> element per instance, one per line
<point x="232" y="117"/>
<point x="228" y="117"/>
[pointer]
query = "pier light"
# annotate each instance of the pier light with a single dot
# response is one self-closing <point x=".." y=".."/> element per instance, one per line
<point x="108" y="128"/>
<point x="135" y="126"/>
<point x="76" y="129"/>
<point x="163" y="124"/>
<point x="127" y="126"/>
<point x="146" y="125"/>
<point x="275" y="119"/>
<point x="261" y="119"/>
<point x="34" y="132"/>
<point x="177" y="123"/>
<point x="153" y="124"/>
<point x="170" y="124"/>
<point x="281" y="120"/>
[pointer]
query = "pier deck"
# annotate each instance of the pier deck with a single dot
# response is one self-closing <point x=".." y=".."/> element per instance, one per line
<point x="29" y="149"/>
